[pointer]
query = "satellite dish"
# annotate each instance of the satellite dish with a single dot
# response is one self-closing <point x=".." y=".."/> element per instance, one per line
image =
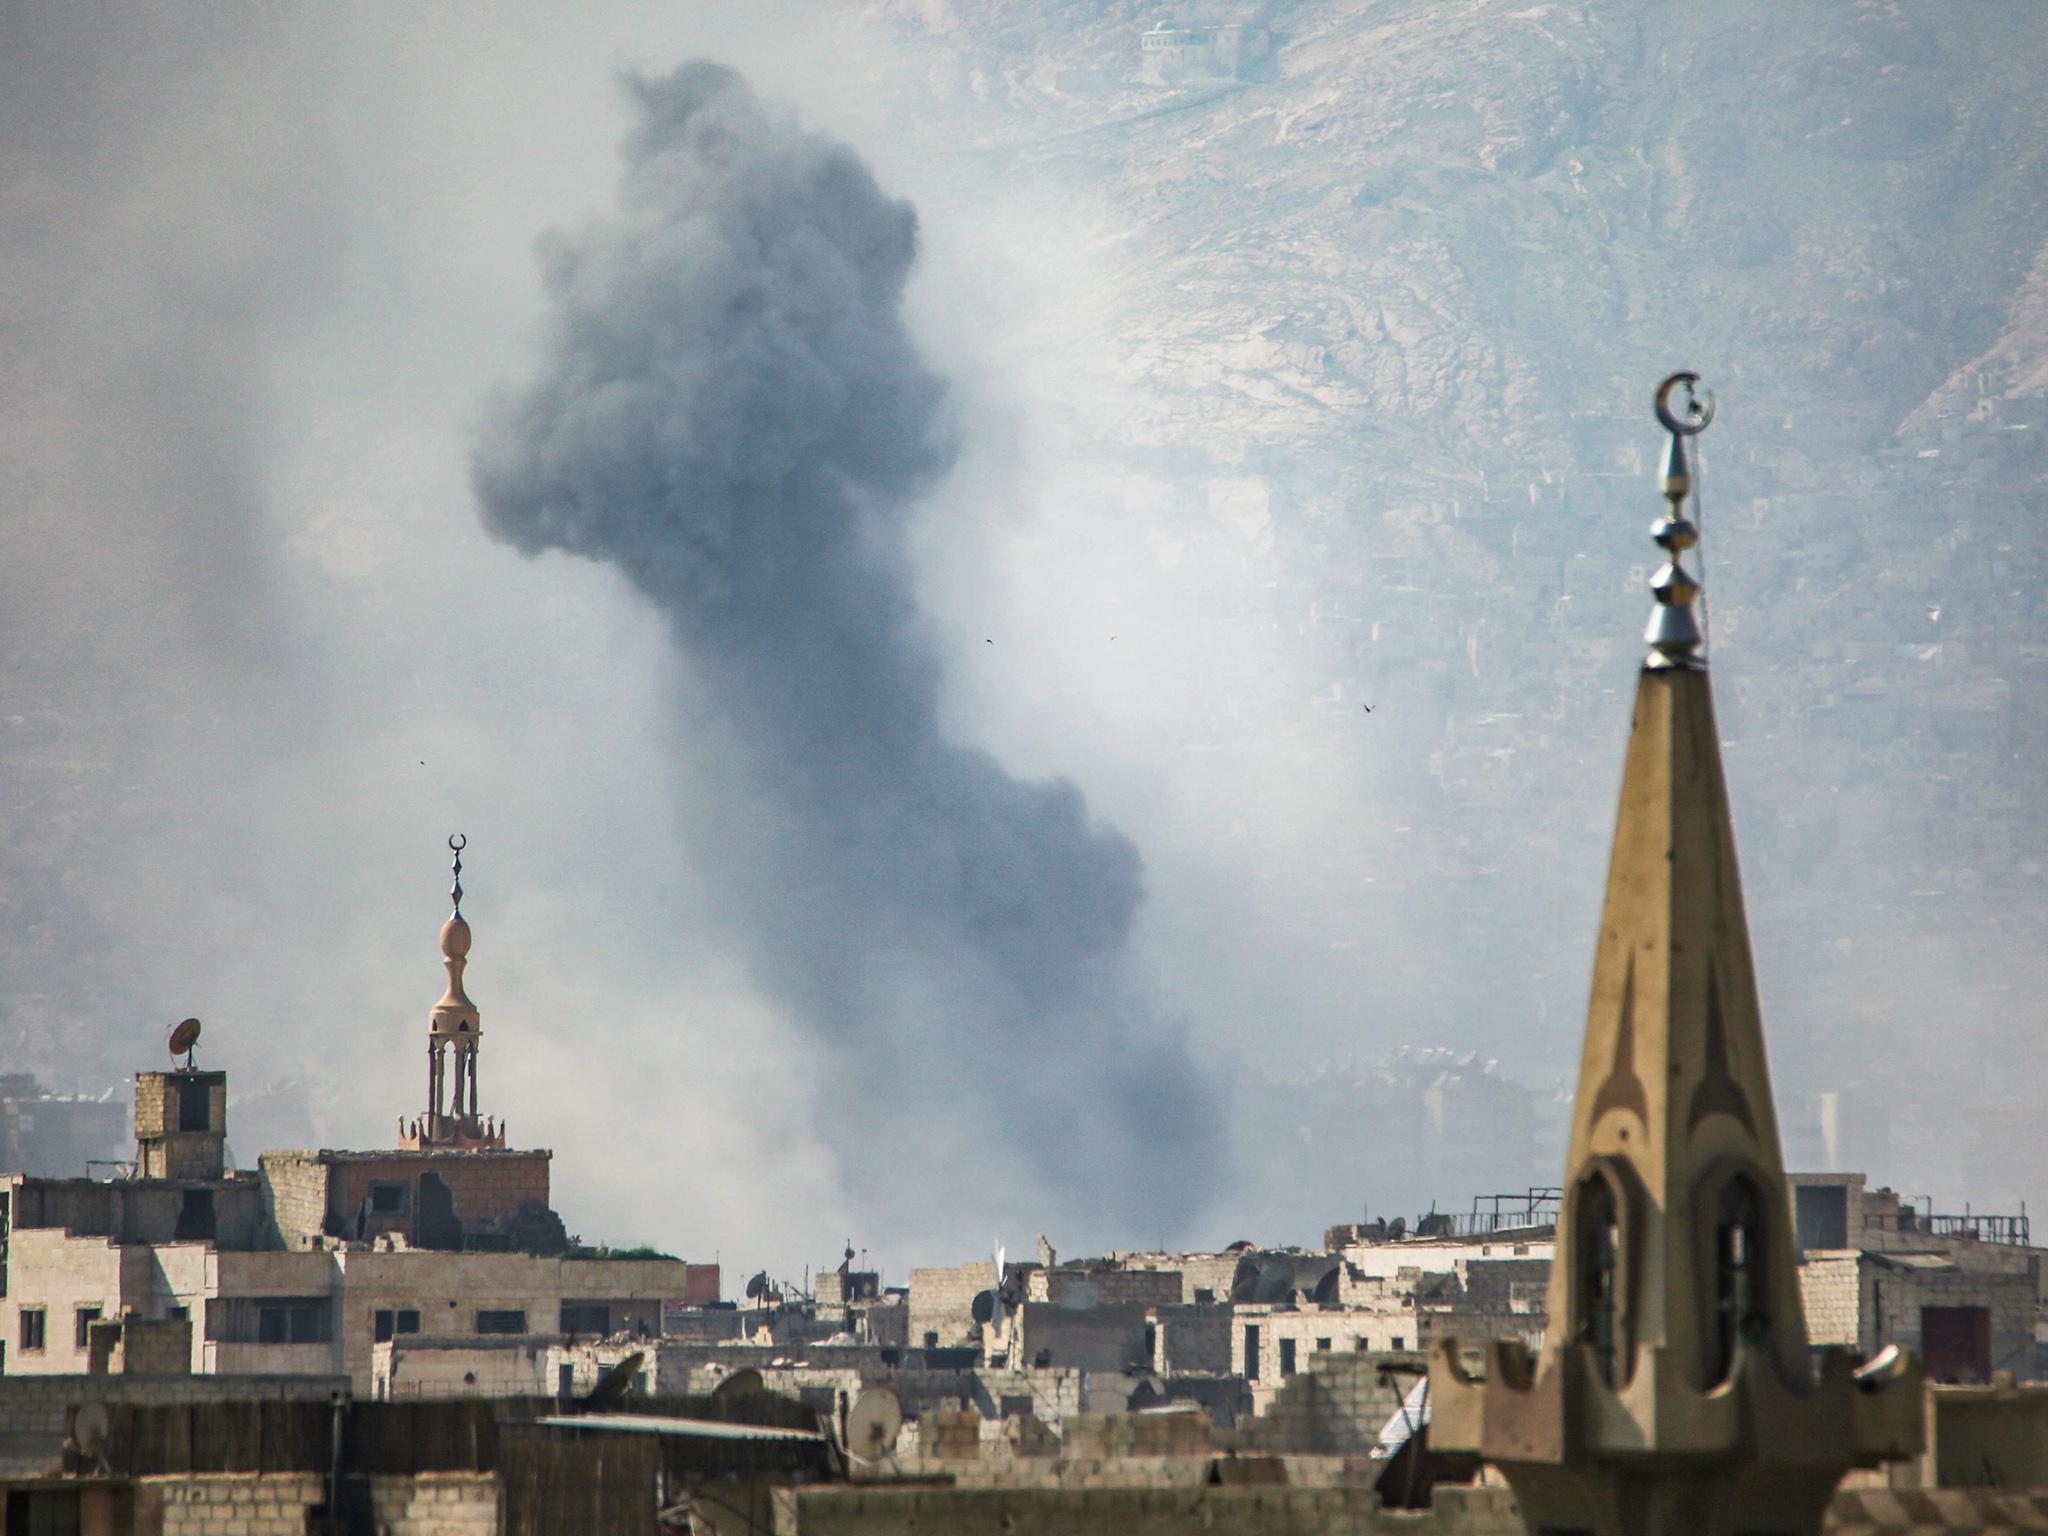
<point x="872" y="1425"/>
<point x="616" y="1382"/>
<point x="89" y="1429"/>
<point x="1397" y="1228"/>
<point x="740" y="1383"/>
<point x="184" y="1036"/>
<point x="758" y="1286"/>
<point x="984" y="1306"/>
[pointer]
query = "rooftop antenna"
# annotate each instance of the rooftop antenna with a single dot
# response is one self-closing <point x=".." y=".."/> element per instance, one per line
<point x="184" y="1036"/>
<point x="1674" y="635"/>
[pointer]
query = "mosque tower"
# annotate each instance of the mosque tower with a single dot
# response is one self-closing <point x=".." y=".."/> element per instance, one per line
<point x="453" y="1120"/>
<point x="1675" y="1391"/>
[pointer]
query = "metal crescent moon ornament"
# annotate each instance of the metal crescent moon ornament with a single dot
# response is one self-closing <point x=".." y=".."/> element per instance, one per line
<point x="457" y="843"/>
<point x="1699" y="405"/>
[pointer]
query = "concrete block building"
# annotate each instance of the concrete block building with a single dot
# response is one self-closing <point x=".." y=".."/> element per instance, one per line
<point x="307" y="1265"/>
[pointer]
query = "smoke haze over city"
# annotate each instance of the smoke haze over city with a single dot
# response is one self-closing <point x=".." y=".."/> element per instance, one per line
<point x="888" y="571"/>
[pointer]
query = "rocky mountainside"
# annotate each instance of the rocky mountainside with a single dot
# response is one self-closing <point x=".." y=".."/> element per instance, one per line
<point x="1384" y="310"/>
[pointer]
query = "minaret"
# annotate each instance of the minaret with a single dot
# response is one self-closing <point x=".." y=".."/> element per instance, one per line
<point x="1675" y="1391"/>
<point x="454" y="1037"/>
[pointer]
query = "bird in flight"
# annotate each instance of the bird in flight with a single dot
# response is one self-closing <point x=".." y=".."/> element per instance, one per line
<point x="1367" y="708"/>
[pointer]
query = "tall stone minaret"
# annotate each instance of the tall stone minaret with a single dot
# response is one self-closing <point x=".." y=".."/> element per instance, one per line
<point x="1675" y="1392"/>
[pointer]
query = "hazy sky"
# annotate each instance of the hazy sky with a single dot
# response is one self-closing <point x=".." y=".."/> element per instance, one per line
<point x="268" y="278"/>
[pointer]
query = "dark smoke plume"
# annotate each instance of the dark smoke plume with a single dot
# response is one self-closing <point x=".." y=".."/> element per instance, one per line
<point x="732" y="413"/>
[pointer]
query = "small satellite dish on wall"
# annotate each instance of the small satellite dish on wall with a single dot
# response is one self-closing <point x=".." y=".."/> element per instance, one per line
<point x="872" y="1425"/>
<point x="89" y="1433"/>
<point x="184" y="1035"/>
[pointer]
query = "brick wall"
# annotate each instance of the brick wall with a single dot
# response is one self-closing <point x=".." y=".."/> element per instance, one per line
<point x="312" y="1192"/>
<point x="294" y="1196"/>
<point x="1830" y="1293"/>
<point x="276" y="1504"/>
<point x="1192" y="1339"/>
<point x="941" y="1302"/>
<point x="214" y="1503"/>
<point x="435" y="1504"/>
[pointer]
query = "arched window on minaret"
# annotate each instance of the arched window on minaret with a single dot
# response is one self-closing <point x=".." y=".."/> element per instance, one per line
<point x="1739" y="1297"/>
<point x="1600" y="1284"/>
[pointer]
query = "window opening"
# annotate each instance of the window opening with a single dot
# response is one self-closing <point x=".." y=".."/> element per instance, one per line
<point x="1599" y="1260"/>
<point x="1738" y="1275"/>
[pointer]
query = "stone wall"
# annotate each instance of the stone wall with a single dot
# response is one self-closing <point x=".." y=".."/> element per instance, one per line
<point x="1335" y="1407"/>
<point x="315" y="1192"/>
<point x="1047" y="1334"/>
<point x="942" y="1300"/>
<point x="137" y="1210"/>
<point x="436" y="1504"/>
<point x="213" y="1503"/>
<point x="1830" y="1293"/>
<point x="1191" y="1339"/>
<point x="276" y="1504"/>
<point x="842" y="1510"/>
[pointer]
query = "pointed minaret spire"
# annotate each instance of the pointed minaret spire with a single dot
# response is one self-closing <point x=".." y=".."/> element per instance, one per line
<point x="1674" y="1392"/>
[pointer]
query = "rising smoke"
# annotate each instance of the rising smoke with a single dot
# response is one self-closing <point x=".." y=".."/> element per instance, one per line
<point x="732" y="412"/>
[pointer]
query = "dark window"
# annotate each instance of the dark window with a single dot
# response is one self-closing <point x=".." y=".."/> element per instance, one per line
<point x="1599" y="1263"/>
<point x="81" y="1324"/>
<point x="1287" y="1357"/>
<point x="1398" y="1342"/>
<point x="31" y="1328"/>
<point x="592" y="1317"/>
<point x="194" y="1106"/>
<point x="565" y="1380"/>
<point x="43" y="1512"/>
<point x="1151" y="1342"/>
<point x="1251" y="1352"/>
<point x="380" y="1325"/>
<point x="177" y="1314"/>
<point x="387" y="1199"/>
<point x="195" y="1217"/>
<point x="1955" y="1343"/>
<point x="1204" y="1296"/>
<point x="291" y="1321"/>
<point x="1821" y="1214"/>
<point x="503" y="1320"/>
<point x="408" y="1320"/>
<point x="931" y="1338"/>
<point x="1738" y="1276"/>
<point x="1322" y="1343"/>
